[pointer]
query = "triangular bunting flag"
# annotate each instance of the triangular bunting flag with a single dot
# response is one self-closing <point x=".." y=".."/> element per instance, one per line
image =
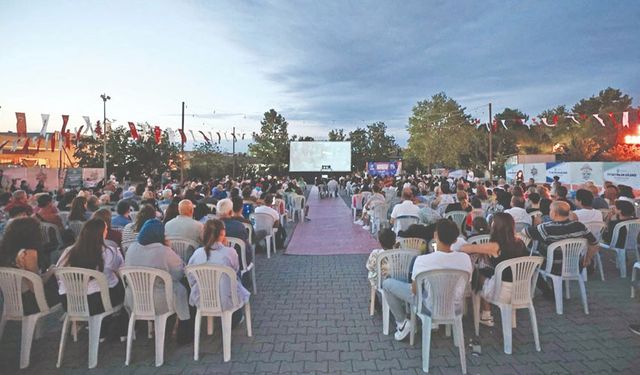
<point x="597" y="117"/>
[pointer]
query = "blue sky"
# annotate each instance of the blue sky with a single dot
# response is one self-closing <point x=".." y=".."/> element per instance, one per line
<point x="322" y="64"/>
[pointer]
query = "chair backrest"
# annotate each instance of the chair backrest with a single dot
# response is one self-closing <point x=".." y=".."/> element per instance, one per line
<point x="183" y="247"/>
<point x="298" y="202"/>
<point x="358" y="198"/>
<point x="596" y="228"/>
<point x="572" y="249"/>
<point x="249" y="228"/>
<point x="524" y="271"/>
<point x="412" y="243"/>
<point x="380" y="212"/>
<point x="11" y="280"/>
<point x="278" y="205"/>
<point x="404" y="222"/>
<point x="479" y="239"/>
<point x="524" y="238"/>
<point x="458" y="217"/>
<point x="633" y="228"/>
<point x="445" y="289"/>
<point x="132" y="215"/>
<point x="76" y="282"/>
<point x="140" y="281"/>
<point x="520" y="226"/>
<point x="208" y="277"/>
<point x="398" y="262"/>
<point x="365" y="196"/>
<point x="48" y="231"/>
<point x="263" y="221"/>
<point x="76" y="227"/>
<point x="64" y="215"/>
<point x="535" y="214"/>
<point x="238" y="243"/>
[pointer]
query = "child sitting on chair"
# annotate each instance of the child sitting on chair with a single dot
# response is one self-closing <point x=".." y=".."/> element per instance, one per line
<point x="387" y="239"/>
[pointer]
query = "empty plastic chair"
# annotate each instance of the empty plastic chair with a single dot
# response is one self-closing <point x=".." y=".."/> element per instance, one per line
<point x="11" y="280"/>
<point x="445" y="289"/>
<point x="356" y="204"/>
<point x="264" y="222"/>
<point x="458" y="217"/>
<point x="398" y="262"/>
<point x="631" y="243"/>
<point x="249" y="228"/>
<point x="183" y="247"/>
<point x="379" y="217"/>
<point x="140" y="282"/>
<point x="245" y="267"/>
<point x="76" y="283"/>
<point x="572" y="251"/>
<point x="298" y="208"/>
<point x="209" y="277"/>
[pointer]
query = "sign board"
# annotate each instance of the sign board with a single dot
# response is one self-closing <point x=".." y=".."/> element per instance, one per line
<point x="383" y="169"/>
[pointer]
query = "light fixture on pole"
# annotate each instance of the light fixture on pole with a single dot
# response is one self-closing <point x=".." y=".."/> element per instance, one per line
<point x="104" y="98"/>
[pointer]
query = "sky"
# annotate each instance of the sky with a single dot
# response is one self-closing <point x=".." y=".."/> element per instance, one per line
<point x="322" y="64"/>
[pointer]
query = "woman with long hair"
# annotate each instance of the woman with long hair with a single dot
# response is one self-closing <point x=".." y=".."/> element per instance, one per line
<point x="171" y="212"/>
<point x="91" y="252"/>
<point x="20" y="248"/>
<point x="503" y="245"/>
<point x="215" y="251"/>
<point x="78" y="210"/>
<point x="131" y="230"/>
<point x="151" y="250"/>
<point x="114" y="236"/>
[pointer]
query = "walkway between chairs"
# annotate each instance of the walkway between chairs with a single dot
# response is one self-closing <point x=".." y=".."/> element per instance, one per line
<point x="331" y="230"/>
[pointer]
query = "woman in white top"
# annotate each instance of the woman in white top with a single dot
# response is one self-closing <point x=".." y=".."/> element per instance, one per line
<point x="215" y="251"/>
<point x="91" y="252"/>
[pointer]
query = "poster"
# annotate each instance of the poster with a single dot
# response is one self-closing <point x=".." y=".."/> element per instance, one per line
<point x="512" y="170"/>
<point x="387" y="168"/>
<point x="582" y="172"/>
<point x="537" y="171"/>
<point x="623" y="173"/>
<point x="73" y="178"/>
<point x="91" y="176"/>
<point x="48" y="176"/>
<point x="561" y="170"/>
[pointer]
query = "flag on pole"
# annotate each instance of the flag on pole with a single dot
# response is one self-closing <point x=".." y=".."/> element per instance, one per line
<point x="25" y="147"/>
<point x="78" y="135"/>
<point x="204" y="136"/>
<point x="183" y="137"/>
<point x="98" y="129"/>
<point x="134" y="131"/>
<point x="65" y="119"/>
<point x="219" y="138"/>
<point x="613" y="119"/>
<point x="87" y="121"/>
<point x="193" y="137"/>
<point x="45" y="123"/>
<point x="157" y="133"/>
<point x="14" y="146"/>
<point x="21" y="124"/>
<point x="53" y="140"/>
<point x="597" y="117"/>
<point x="625" y="119"/>
<point x="39" y="141"/>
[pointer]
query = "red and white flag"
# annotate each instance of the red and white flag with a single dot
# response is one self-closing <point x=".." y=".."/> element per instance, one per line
<point x="625" y="119"/>
<point x="134" y="131"/>
<point x="87" y="122"/>
<point x="65" y="119"/>
<point x="597" y="117"/>
<point x="45" y="123"/>
<point x="21" y="124"/>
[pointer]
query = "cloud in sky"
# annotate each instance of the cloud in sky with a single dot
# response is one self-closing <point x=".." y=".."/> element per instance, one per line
<point x="323" y="64"/>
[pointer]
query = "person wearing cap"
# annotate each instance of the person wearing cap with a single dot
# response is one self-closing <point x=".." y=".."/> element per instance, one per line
<point x="46" y="211"/>
<point x="622" y="211"/>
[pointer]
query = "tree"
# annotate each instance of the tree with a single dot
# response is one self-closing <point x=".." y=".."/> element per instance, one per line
<point x="439" y="134"/>
<point x="126" y="157"/>
<point x="271" y="146"/>
<point x="337" y="135"/>
<point x="359" y="148"/>
<point x="299" y="138"/>
<point x="371" y="144"/>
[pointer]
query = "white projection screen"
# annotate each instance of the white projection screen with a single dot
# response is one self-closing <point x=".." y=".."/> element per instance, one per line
<point x="320" y="157"/>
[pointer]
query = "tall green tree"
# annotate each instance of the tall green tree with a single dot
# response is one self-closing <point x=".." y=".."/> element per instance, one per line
<point x="371" y="144"/>
<point x="271" y="146"/>
<point x="359" y="148"/>
<point x="337" y="135"/>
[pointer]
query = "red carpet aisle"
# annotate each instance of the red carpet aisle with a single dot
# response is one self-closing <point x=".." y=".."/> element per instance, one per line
<point x="331" y="230"/>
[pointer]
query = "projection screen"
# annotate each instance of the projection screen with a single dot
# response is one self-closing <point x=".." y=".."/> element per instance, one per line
<point x="320" y="157"/>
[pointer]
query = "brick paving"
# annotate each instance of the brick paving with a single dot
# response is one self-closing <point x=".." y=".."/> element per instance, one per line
<point x="311" y="316"/>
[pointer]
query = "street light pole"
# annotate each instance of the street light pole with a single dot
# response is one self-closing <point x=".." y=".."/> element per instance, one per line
<point x="104" y="98"/>
<point x="233" y="174"/>
<point x="490" y="144"/>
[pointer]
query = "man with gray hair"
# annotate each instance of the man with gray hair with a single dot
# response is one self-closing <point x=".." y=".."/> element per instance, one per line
<point x="233" y="227"/>
<point x="183" y="225"/>
<point x="19" y="198"/>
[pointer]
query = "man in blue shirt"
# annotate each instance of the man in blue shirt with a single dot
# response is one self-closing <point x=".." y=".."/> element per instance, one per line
<point x="122" y="218"/>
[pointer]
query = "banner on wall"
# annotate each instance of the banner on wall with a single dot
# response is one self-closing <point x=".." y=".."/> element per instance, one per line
<point x="537" y="171"/>
<point x="562" y="170"/>
<point x="623" y="173"/>
<point x="582" y="172"/>
<point x="512" y="170"/>
<point x="91" y="176"/>
<point x="383" y="169"/>
<point x="47" y="176"/>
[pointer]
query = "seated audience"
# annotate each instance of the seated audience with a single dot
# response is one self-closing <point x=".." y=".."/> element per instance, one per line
<point x="131" y="230"/>
<point x="79" y="210"/>
<point x="387" y="240"/>
<point x="406" y="208"/>
<point x="47" y="212"/>
<point x="517" y="211"/>
<point x="122" y="219"/>
<point x="19" y="199"/>
<point x="533" y="202"/>
<point x="585" y="212"/>
<point x="183" y="225"/>
<point x="113" y="235"/>
<point x="623" y="211"/>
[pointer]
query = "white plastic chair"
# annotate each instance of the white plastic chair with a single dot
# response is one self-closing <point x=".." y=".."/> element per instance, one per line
<point x="572" y="250"/>
<point x="525" y="274"/>
<point x="631" y="244"/>
<point x="76" y="283"/>
<point x="398" y="262"/>
<point x="404" y="222"/>
<point x="208" y="277"/>
<point x="413" y="243"/>
<point x="132" y="215"/>
<point x="479" y="239"/>
<point x="636" y="266"/>
<point x="524" y="238"/>
<point x="140" y="282"/>
<point x="520" y="226"/>
<point x="245" y="267"/>
<point x="76" y="227"/>
<point x="264" y="222"/>
<point x="249" y="228"/>
<point x="64" y="215"/>
<point x="358" y="204"/>
<point x="365" y="197"/>
<point x="596" y="228"/>
<point x="458" y="217"/>
<point x="183" y="247"/>
<point x="534" y="215"/>
<point x="11" y="280"/>
<point x="298" y="208"/>
<point x="445" y="289"/>
<point x="379" y="217"/>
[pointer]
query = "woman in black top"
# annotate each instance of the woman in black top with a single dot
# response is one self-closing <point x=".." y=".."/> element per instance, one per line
<point x="503" y="245"/>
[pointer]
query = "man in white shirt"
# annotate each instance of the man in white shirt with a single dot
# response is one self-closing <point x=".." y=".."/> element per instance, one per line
<point x="406" y="208"/>
<point x="398" y="293"/>
<point x="183" y="225"/>
<point x="266" y="209"/>
<point x="517" y="211"/>
<point x="332" y="186"/>
<point x="585" y="212"/>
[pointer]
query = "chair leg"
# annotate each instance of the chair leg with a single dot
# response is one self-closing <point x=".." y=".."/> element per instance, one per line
<point x="210" y="325"/>
<point x="385" y="315"/>
<point x="633" y="288"/>
<point x="267" y="241"/>
<point x="412" y="334"/>
<point x="447" y="330"/>
<point x="426" y="343"/>
<point x="557" y="290"/>
<point x="622" y="260"/>
<point x="196" y="336"/>
<point x="567" y="290"/>
<point x="459" y="333"/>
<point x="74" y="331"/>
<point x="514" y="323"/>
<point x="95" y="322"/>
<point x="599" y="264"/>
<point x="28" y="328"/>
<point x="583" y="294"/>
<point x="130" y="332"/>
<point x="476" y="312"/>
<point x="226" y="336"/>
<point x="505" y="312"/>
<point x="160" y="325"/>
<point x="247" y="319"/>
<point x="3" y="323"/>
<point x="372" y="303"/>
<point x="253" y="278"/>
<point x="63" y="340"/>
<point x="149" y="329"/>
<point x="534" y="326"/>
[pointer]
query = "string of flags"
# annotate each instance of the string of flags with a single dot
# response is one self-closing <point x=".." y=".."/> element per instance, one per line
<point x="617" y="119"/>
<point x="63" y="137"/>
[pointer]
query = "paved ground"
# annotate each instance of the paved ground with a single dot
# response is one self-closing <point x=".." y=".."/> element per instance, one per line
<point x="311" y="316"/>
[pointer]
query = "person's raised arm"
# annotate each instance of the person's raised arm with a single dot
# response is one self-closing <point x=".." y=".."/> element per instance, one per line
<point x="489" y="248"/>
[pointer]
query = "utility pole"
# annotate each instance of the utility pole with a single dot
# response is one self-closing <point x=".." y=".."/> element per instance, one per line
<point x="490" y="144"/>
<point x="233" y="174"/>
<point x="182" y="149"/>
<point x="104" y="98"/>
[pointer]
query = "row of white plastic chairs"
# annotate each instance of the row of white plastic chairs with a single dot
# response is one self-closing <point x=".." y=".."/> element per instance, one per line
<point x="140" y="283"/>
